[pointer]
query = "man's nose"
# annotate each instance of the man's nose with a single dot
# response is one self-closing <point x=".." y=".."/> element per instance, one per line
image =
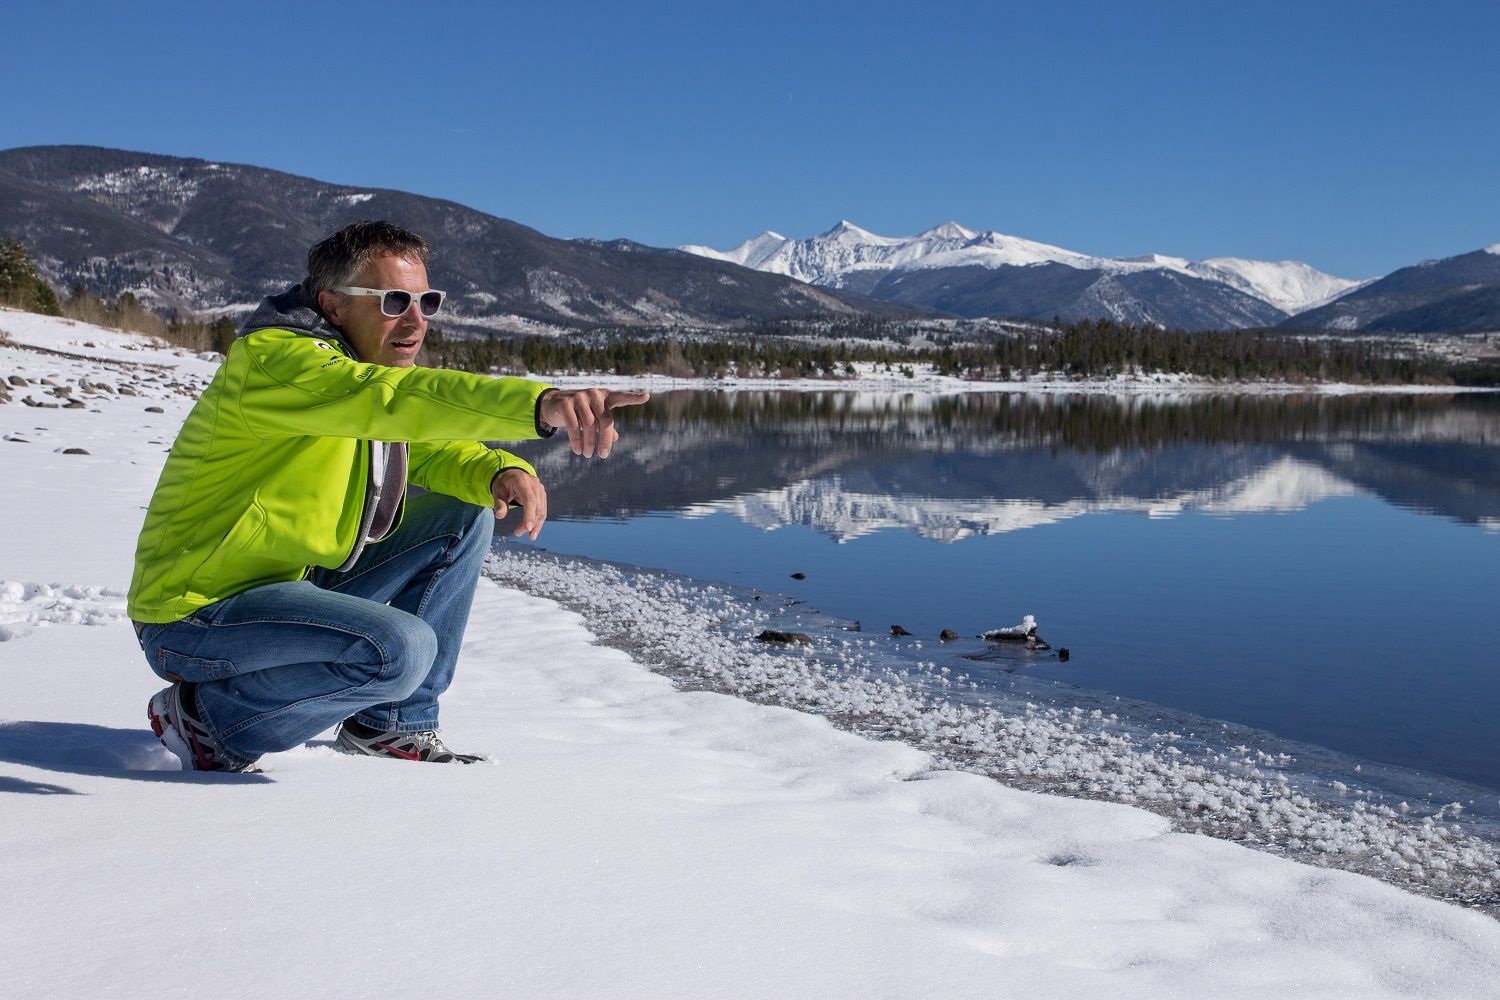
<point x="414" y="311"/>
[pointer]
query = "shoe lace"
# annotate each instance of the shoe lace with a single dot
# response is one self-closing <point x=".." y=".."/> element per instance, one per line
<point x="431" y="738"/>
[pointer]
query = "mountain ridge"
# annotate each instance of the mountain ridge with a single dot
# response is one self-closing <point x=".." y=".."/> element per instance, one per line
<point x="835" y="257"/>
<point x="1458" y="294"/>
<point x="205" y="237"/>
<point x="198" y="235"/>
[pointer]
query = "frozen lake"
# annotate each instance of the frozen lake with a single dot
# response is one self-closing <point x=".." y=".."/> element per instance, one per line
<point x="1324" y="569"/>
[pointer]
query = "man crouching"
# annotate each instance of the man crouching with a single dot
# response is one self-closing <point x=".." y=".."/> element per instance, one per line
<point x="284" y="581"/>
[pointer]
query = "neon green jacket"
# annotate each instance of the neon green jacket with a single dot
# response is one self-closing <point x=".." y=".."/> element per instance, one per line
<point x="268" y="476"/>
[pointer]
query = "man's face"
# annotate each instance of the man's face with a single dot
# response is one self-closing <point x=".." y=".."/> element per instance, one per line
<point x="376" y="337"/>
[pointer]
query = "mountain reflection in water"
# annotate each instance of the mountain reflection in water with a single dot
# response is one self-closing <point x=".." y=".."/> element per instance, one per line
<point x="951" y="467"/>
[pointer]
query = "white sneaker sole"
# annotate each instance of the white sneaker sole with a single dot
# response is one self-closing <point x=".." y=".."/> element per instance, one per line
<point x="156" y="710"/>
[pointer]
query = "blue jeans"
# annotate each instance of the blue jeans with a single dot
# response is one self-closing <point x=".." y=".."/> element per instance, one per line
<point x="276" y="665"/>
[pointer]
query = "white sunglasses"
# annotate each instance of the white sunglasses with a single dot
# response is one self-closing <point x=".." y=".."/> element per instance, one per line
<point x="395" y="301"/>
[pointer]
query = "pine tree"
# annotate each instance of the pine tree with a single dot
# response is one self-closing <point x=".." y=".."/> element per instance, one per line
<point x="20" y="285"/>
<point x="221" y="331"/>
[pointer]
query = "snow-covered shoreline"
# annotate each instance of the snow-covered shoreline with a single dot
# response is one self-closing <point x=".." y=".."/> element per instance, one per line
<point x="629" y="838"/>
<point x="702" y="636"/>
<point x="934" y="384"/>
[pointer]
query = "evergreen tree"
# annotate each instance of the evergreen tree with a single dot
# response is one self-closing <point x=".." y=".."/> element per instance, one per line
<point x="20" y="285"/>
<point x="222" y="333"/>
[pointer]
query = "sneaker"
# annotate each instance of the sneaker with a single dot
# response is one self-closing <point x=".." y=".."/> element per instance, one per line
<point x="180" y="731"/>
<point x="356" y="738"/>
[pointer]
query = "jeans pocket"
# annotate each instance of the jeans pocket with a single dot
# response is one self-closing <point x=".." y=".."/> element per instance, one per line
<point x="177" y="667"/>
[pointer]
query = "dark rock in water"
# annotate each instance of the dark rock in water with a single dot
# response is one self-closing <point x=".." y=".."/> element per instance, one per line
<point x="898" y="630"/>
<point x="784" y="638"/>
<point x="799" y="576"/>
<point x="75" y="451"/>
<point x="1063" y="653"/>
<point x="1036" y="644"/>
<point x="947" y="635"/>
<point x="155" y="409"/>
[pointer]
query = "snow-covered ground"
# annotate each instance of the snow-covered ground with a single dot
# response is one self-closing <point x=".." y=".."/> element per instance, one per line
<point x="628" y="839"/>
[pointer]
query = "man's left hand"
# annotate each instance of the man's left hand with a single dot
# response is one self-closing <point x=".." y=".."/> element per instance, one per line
<point x="588" y="416"/>
<point x="517" y="486"/>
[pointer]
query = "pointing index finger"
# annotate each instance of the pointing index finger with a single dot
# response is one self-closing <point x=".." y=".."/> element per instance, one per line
<point x="626" y="397"/>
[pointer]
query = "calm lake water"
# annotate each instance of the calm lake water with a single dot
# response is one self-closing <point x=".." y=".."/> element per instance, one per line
<point x="1323" y="568"/>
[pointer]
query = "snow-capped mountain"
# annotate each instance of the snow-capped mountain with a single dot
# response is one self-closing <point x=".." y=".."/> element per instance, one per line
<point x="1287" y="284"/>
<point x="205" y="237"/>
<point x="974" y="272"/>
<point x="829" y="258"/>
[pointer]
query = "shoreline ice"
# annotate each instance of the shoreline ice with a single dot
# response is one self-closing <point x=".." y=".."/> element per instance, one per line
<point x="702" y="637"/>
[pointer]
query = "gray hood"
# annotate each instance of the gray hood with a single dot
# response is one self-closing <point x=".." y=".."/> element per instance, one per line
<point x="293" y="309"/>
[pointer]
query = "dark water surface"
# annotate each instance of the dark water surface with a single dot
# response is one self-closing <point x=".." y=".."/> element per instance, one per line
<point x="1323" y="568"/>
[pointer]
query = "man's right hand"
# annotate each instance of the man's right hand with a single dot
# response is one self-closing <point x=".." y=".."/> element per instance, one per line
<point x="520" y="488"/>
<point x="588" y="416"/>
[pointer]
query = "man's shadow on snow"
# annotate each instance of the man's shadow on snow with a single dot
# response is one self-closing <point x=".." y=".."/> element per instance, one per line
<point x="81" y="748"/>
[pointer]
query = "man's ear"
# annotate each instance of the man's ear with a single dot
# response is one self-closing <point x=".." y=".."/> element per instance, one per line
<point x="330" y="303"/>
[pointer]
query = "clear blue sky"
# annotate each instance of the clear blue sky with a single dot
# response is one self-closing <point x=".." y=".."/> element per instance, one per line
<point x="1359" y="137"/>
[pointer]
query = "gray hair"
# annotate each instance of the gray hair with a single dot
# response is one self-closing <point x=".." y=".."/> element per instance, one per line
<point x="338" y="259"/>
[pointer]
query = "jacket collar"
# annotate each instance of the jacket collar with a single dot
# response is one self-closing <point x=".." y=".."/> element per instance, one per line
<point x="297" y="311"/>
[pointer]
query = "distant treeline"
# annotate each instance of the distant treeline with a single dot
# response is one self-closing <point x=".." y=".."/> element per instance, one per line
<point x="1082" y="349"/>
<point x="128" y="313"/>
<point x="1083" y="421"/>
